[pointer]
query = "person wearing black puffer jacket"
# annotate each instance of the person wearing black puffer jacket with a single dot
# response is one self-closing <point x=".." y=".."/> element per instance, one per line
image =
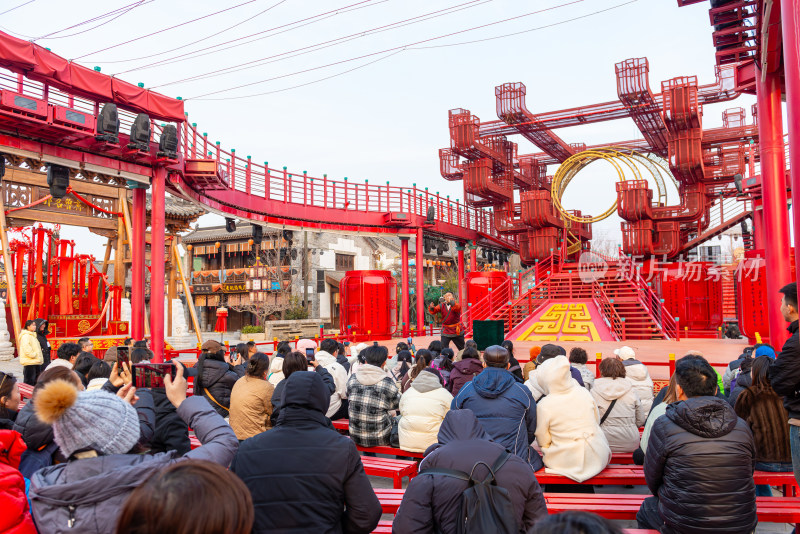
<point x="215" y="376"/>
<point x="303" y="475"/>
<point x="784" y="372"/>
<point x="700" y="461"/>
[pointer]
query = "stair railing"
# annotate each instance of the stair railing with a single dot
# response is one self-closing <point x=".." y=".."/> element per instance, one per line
<point x="610" y="314"/>
<point x="648" y="298"/>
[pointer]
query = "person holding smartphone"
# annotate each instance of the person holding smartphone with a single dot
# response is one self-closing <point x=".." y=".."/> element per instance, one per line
<point x="216" y="375"/>
<point x="452" y="329"/>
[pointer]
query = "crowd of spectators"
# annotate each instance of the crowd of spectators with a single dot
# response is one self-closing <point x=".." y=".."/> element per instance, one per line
<point x="90" y="452"/>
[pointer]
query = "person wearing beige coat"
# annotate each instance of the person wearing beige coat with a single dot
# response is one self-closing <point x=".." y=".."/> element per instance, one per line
<point x="30" y="353"/>
<point x="567" y="429"/>
<point x="422" y="407"/>
<point x="621" y="425"/>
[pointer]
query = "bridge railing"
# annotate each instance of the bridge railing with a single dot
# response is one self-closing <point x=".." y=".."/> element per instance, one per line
<point x="280" y="184"/>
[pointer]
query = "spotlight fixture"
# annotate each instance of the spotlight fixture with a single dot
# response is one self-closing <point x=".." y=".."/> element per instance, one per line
<point x="737" y="181"/>
<point x="431" y="215"/>
<point x="230" y="225"/>
<point x="258" y="233"/>
<point x="426" y="244"/>
<point x="58" y="180"/>
<point x="108" y="124"/>
<point x="140" y="133"/>
<point x="168" y="143"/>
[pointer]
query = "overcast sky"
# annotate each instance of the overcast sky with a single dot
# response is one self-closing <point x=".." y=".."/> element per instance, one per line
<point x="387" y="119"/>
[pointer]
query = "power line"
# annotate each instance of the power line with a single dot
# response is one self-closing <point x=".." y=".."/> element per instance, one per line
<point x="407" y="45"/>
<point x="307" y="83"/>
<point x="239" y="23"/>
<point x="17" y="7"/>
<point x="165" y="29"/>
<point x="185" y="57"/>
<point x="418" y="48"/>
<point x="117" y="13"/>
<point x="332" y="42"/>
<point x="526" y="31"/>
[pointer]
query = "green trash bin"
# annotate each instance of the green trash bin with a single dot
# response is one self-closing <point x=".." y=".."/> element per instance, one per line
<point x="488" y="333"/>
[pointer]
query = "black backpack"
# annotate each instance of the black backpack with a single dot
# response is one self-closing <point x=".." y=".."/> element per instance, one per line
<point x="485" y="506"/>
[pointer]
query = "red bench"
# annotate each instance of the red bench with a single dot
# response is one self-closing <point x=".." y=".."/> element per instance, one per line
<point x="385" y="527"/>
<point x="390" y="468"/>
<point x="620" y="506"/>
<point x="633" y="475"/>
<point x="397" y="470"/>
<point x="25" y="390"/>
<point x="770" y="509"/>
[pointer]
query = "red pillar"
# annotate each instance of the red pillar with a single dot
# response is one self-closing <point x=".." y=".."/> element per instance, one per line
<point x="790" y="24"/>
<point x="758" y="225"/>
<point x="473" y="258"/>
<point x="419" y="262"/>
<point x="773" y="187"/>
<point x="461" y="276"/>
<point x="158" y="230"/>
<point x="138" y="223"/>
<point x="404" y="288"/>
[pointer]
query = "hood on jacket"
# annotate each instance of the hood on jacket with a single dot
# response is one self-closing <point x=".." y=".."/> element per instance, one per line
<point x="468" y="366"/>
<point x="707" y="417"/>
<point x="493" y="382"/>
<point x="554" y="375"/>
<point x="11" y="448"/>
<point x="93" y="480"/>
<point x="276" y="366"/>
<point x="460" y="425"/>
<point x="425" y="382"/>
<point x="612" y="388"/>
<point x="25" y="332"/>
<point x="369" y="375"/>
<point x="635" y="370"/>
<point x="324" y="357"/>
<point x="306" y="389"/>
<point x="39" y="329"/>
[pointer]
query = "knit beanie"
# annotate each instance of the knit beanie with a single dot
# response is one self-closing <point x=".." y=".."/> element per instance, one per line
<point x="94" y="420"/>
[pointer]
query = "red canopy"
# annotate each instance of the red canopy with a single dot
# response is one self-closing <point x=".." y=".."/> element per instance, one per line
<point x="38" y="63"/>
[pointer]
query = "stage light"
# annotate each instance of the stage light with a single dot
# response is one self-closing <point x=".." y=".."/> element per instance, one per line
<point x="140" y="133"/>
<point x="168" y="142"/>
<point x="58" y="180"/>
<point x="108" y="124"/>
<point x="230" y="225"/>
<point x="431" y="215"/>
<point x="737" y="181"/>
<point x="258" y="233"/>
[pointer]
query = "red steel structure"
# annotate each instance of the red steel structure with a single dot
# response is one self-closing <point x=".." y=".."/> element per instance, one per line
<point x="49" y="109"/>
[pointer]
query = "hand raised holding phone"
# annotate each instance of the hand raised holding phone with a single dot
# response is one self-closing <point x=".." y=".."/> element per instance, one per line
<point x="176" y="388"/>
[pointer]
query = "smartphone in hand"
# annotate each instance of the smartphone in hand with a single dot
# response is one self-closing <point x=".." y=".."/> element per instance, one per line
<point x="151" y="375"/>
<point x="310" y="355"/>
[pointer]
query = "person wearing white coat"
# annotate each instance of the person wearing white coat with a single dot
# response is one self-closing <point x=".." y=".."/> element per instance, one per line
<point x="637" y="373"/>
<point x="621" y="410"/>
<point x="567" y="429"/>
<point x="337" y="409"/>
<point x="422" y="408"/>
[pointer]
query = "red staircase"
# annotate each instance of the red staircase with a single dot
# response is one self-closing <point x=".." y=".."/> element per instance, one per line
<point x="628" y="303"/>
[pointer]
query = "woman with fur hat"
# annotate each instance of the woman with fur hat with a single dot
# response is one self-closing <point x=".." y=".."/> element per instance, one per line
<point x="96" y="430"/>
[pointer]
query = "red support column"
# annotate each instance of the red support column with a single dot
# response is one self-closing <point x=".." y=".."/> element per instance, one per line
<point x="138" y="223"/>
<point x="773" y="187"/>
<point x="419" y="262"/>
<point x="758" y="225"/>
<point x="404" y="287"/>
<point x="461" y="276"/>
<point x="158" y="230"/>
<point x="473" y="258"/>
<point x="790" y="24"/>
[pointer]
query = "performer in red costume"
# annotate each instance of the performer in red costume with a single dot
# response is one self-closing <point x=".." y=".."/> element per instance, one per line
<point x="452" y="330"/>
